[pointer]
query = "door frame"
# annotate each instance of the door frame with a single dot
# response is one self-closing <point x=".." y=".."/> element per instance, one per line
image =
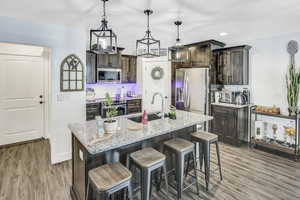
<point x="46" y="56"/>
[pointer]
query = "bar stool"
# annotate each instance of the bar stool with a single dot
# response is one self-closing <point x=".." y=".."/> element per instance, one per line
<point x="205" y="139"/>
<point x="148" y="160"/>
<point x="108" y="179"/>
<point x="180" y="148"/>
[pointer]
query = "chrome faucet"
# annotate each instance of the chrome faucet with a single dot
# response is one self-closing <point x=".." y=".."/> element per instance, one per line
<point x="162" y="102"/>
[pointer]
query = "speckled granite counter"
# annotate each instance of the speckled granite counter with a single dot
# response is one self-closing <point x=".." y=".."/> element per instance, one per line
<point x="85" y="132"/>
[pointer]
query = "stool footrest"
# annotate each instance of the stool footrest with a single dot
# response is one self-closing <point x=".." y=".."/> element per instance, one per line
<point x="212" y="171"/>
<point x="185" y="187"/>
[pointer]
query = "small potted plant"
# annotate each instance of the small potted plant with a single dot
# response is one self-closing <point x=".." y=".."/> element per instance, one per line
<point x="172" y="113"/>
<point x="110" y="124"/>
<point x="293" y="85"/>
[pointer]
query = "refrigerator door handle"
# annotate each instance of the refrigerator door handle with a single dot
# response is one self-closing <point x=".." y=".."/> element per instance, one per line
<point x="186" y="92"/>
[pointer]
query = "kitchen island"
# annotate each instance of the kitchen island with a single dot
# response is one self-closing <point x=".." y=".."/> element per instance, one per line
<point x="87" y="155"/>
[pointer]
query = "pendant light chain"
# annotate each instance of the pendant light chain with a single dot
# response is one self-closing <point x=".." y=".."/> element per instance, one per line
<point x="148" y="23"/>
<point x="104" y="21"/>
<point x="104" y="12"/>
<point x="178" y="23"/>
<point x="177" y="34"/>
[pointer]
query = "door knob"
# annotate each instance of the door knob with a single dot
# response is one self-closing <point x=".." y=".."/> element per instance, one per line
<point x="41" y="102"/>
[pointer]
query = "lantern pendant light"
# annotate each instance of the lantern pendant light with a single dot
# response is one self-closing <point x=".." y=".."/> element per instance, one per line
<point x="103" y="40"/>
<point x="178" y="52"/>
<point x="148" y="46"/>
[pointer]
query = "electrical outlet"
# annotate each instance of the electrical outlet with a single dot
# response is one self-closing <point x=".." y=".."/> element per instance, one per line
<point x="60" y="97"/>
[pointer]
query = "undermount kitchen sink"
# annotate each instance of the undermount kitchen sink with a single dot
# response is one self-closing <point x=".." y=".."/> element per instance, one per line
<point x="151" y="117"/>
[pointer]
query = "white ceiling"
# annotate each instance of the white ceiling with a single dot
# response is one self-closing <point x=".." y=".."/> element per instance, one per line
<point x="242" y="19"/>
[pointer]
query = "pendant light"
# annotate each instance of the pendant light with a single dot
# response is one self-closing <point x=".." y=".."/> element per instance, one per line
<point x="103" y="40"/>
<point x="148" y="46"/>
<point x="178" y="52"/>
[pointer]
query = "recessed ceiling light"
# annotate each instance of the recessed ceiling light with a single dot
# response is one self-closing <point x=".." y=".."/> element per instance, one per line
<point x="223" y="34"/>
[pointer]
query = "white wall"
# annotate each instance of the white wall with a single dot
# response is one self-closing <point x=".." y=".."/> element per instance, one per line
<point x="269" y="64"/>
<point x="148" y="86"/>
<point x="62" y="41"/>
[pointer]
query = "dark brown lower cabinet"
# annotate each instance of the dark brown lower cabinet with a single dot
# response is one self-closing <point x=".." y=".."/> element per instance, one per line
<point x="230" y="124"/>
<point x="92" y="110"/>
<point x="134" y="106"/>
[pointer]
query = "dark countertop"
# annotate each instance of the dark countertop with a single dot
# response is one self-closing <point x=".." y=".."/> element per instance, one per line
<point x="99" y="100"/>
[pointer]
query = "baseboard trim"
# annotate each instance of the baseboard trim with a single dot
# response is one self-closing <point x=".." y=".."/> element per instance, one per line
<point x="21" y="143"/>
<point x="61" y="157"/>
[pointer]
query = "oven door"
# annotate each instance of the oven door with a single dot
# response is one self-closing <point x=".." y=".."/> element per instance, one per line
<point x="108" y="75"/>
<point x="121" y="109"/>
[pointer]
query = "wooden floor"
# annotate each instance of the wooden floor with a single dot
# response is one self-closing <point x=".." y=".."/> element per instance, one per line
<point x="26" y="174"/>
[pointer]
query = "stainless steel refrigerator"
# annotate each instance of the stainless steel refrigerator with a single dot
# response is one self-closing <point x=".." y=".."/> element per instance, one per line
<point x="191" y="89"/>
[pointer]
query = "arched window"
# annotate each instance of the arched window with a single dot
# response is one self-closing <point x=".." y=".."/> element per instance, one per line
<point x="71" y="74"/>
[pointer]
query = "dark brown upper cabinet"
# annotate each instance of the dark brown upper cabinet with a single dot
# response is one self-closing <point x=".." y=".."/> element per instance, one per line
<point x="94" y="61"/>
<point x="128" y="65"/>
<point x="230" y="66"/>
<point x="109" y="60"/>
<point x="200" y="54"/>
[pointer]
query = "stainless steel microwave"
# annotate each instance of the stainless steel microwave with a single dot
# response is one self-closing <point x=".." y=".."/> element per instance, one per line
<point x="108" y="75"/>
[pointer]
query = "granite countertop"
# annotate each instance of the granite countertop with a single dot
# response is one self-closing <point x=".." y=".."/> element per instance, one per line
<point x="230" y="105"/>
<point x="99" y="100"/>
<point x="86" y="131"/>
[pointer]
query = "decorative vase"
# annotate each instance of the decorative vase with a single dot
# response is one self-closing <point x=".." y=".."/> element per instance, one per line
<point x="110" y="126"/>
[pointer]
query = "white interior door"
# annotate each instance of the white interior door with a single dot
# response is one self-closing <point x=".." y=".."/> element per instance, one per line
<point x="21" y="84"/>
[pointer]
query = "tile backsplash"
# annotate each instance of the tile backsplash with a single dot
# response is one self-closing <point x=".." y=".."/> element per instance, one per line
<point x="113" y="88"/>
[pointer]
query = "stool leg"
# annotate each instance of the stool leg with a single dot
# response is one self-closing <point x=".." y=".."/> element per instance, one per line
<point x="128" y="167"/>
<point x="201" y="157"/>
<point x="146" y="181"/>
<point x="187" y="166"/>
<point x="127" y="161"/>
<point x="166" y="179"/>
<point x="130" y="191"/>
<point x="179" y="173"/>
<point x="207" y="163"/>
<point x="195" y="171"/>
<point x="87" y="191"/>
<point x="103" y="196"/>
<point x="219" y="160"/>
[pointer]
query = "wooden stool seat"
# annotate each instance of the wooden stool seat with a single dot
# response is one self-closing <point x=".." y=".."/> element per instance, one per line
<point x="204" y="136"/>
<point x="147" y="157"/>
<point x="179" y="145"/>
<point x="108" y="176"/>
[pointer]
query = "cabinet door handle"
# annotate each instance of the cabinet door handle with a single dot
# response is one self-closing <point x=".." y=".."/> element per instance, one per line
<point x="41" y="102"/>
